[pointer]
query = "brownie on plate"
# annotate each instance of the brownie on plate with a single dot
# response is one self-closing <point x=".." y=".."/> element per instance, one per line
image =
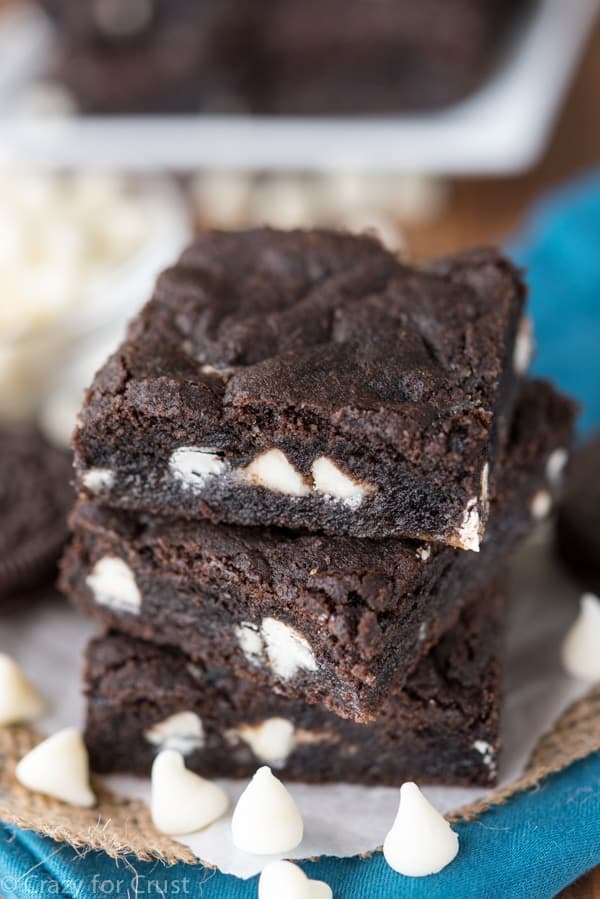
<point x="151" y="56"/>
<point x="311" y="380"/>
<point x="290" y="57"/>
<point x="333" y="620"/>
<point x="354" y="57"/>
<point x="443" y="728"/>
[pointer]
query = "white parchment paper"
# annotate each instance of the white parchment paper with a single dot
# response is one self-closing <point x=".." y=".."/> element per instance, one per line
<point x="340" y="820"/>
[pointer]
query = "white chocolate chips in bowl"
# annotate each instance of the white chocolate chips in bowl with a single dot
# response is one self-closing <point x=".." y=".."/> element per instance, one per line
<point x="58" y="235"/>
<point x="363" y="201"/>
<point x="78" y="255"/>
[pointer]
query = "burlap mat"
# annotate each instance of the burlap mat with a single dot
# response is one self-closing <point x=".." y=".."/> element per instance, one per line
<point x="123" y="827"/>
<point x="575" y="735"/>
<point x="117" y="826"/>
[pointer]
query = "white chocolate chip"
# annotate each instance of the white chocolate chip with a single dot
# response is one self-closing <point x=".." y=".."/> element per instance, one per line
<point x="555" y="466"/>
<point x="540" y="505"/>
<point x="271" y="741"/>
<point x="127" y="223"/>
<point x="274" y="471"/>
<point x="113" y="584"/>
<point x="45" y="99"/>
<point x="407" y="198"/>
<point x="54" y="247"/>
<point x="250" y="641"/>
<point x="488" y="752"/>
<point x="59" y="767"/>
<point x="117" y="19"/>
<point x="266" y="819"/>
<point x="97" y="479"/>
<point x="13" y="238"/>
<point x="423" y="553"/>
<point x="303" y="737"/>
<point x="485" y="488"/>
<point x="523" y="349"/>
<point x="383" y="225"/>
<point x="183" y="732"/>
<point x="320" y="890"/>
<point x="183" y="802"/>
<point x="330" y="480"/>
<point x="287" y="651"/>
<point x="19" y="700"/>
<point x="193" y="465"/>
<point x="283" y="201"/>
<point x="224" y="371"/>
<point x="415" y="199"/>
<point x="222" y="198"/>
<point x="421" y="841"/>
<point x="581" y="647"/>
<point x="196" y="672"/>
<point x="284" y="880"/>
<point x="469" y="532"/>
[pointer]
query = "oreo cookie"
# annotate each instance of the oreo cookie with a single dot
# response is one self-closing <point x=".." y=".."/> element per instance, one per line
<point x="578" y="527"/>
<point x="35" y="498"/>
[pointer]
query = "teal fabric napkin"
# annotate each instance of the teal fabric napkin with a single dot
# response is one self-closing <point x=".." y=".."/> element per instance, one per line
<point x="540" y="840"/>
<point x="559" y="247"/>
<point x="529" y="848"/>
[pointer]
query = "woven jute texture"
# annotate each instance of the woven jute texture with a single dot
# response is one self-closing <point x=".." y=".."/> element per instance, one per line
<point x="117" y="826"/>
<point x="575" y="735"/>
<point x="123" y="827"/>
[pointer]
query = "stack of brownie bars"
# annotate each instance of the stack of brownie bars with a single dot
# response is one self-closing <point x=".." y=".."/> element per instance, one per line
<point x="301" y="477"/>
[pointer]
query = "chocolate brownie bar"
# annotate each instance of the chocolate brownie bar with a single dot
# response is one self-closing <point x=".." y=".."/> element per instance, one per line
<point x="351" y="57"/>
<point x="35" y="499"/>
<point x="310" y="380"/>
<point x="442" y="728"/>
<point x="578" y="525"/>
<point x="331" y="619"/>
<point x="276" y="56"/>
<point x="151" y="56"/>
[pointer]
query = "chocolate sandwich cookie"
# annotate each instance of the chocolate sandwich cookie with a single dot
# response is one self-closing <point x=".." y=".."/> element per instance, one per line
<point x="578" y="528"/>
<point x="35" y="497"/>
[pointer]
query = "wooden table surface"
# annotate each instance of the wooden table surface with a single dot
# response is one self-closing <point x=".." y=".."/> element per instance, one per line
<point x="481" y="210"/>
